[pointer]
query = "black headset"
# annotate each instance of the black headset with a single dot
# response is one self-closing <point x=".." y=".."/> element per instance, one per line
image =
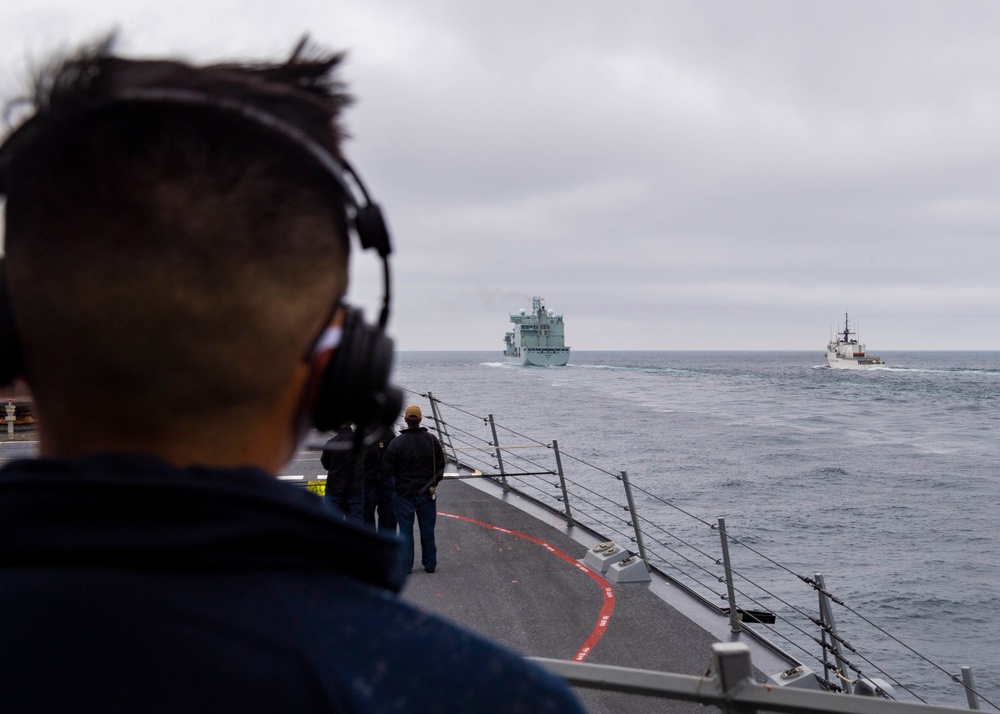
<point x="355" y="359"/>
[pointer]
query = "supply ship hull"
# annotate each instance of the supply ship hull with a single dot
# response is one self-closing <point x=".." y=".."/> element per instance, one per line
<point x="539" y="356"/>
<point x="537" y="339"/>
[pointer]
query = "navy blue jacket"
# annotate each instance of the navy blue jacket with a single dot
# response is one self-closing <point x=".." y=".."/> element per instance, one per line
<point x="415" y="458"/>
<point x="129" y="585"/>
<point x="336" y="459"/>
<point x="373" y="456"/>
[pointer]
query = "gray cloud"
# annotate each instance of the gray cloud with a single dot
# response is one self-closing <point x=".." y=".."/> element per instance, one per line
<point x="669" y="175"/>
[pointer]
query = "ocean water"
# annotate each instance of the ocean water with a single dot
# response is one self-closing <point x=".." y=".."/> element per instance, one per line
<point x="886" y="481"/>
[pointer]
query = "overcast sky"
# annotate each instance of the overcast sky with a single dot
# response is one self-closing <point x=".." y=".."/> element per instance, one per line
<point x="667" y="175"/>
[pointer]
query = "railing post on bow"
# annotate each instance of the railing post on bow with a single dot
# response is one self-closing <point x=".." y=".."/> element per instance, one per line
<point x="496" y="445"/>
<point x="442" y="429"/>
<point x="826" y="615"/>
<point x="562" y="483"/>
<point x="970" y="687"/>
<point x="635" y="519"/>
<point x="734" y="615"/>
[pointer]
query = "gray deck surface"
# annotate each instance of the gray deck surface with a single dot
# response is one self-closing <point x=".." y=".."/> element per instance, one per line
<point x="518" y="593"/>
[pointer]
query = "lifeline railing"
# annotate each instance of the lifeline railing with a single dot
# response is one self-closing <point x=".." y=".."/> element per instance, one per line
<point x="732" y="688"/>
<point x="675" y="546"/>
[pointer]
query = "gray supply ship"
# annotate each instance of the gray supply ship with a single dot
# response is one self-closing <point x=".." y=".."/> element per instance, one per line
<point x="538" y="338"/>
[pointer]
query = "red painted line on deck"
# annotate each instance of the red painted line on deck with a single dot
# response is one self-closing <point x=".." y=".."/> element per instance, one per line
<point x="607" y="608"/>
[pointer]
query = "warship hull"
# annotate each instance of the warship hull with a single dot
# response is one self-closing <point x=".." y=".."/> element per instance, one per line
<point x="836" y="360"/>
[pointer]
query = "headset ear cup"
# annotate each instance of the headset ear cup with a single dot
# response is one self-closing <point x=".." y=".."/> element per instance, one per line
<point x="369" y="224"/>
<point x="355" y="385"/>
<point x="11" y="360"/>
<point x="330" y="409"/>
<point x="386" y="402"/>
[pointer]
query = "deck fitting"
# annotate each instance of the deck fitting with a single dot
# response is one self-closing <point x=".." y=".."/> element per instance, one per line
<point x="630" y="570"/>
<point x="602" y="556"/>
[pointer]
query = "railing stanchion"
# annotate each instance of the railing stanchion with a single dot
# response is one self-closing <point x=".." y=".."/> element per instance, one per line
<point x="826" y="615"/>
<point x="734" y="616"/>
<point x="562" y="483"/>
<point x="635" y="519"/>
<point x="496" y="445"/>
<point x="970" y="687"/>
<point x="442" y="429"/>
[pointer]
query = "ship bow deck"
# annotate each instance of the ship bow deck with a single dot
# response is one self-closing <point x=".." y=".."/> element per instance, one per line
<point x="514" y="578"/>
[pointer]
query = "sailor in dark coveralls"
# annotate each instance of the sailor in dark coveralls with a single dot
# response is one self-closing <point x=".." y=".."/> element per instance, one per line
<point x="415" y="459"/>
<point x="176" y="255"/>
<point x="380" y="490"/>
<point x="344" y="489"/>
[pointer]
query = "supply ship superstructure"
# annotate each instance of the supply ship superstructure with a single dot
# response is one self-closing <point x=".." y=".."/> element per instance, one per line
<point x="538" y="338"/>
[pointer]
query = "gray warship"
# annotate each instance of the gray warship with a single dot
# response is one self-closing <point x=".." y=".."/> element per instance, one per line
<point x="846" y="352"/>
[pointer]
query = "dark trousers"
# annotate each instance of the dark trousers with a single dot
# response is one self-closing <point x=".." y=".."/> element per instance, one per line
<point x="355" y="507"/>
<point x="424" y="507"/>
<point x="380" y="497"/>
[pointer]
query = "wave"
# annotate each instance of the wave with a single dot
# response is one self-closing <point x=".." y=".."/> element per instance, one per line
<point x="942" y="370"/>
<point x="914" y="370"/>
<point x="830" y="471"/>
<point x="630" y="368"/>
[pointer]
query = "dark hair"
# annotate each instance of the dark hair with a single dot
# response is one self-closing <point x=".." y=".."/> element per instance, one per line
<point x="169" y="257"/>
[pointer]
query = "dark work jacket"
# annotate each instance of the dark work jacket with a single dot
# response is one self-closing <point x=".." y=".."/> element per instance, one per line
<point x="336" y="459"/>
<point x="127" y="585"/>
<point x="373" y="457"/>
<point x="415" y="458"/>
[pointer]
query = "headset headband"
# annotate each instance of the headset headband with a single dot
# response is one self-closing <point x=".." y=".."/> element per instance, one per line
<point x="367" y="219"/>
